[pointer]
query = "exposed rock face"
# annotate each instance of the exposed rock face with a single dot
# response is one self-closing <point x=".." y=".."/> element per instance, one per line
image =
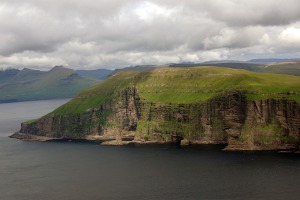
<point x="229" y="118"/>
<point x="269" y="124"/>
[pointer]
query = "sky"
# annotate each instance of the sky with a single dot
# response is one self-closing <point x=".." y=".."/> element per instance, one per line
<point x="93" y="34"/>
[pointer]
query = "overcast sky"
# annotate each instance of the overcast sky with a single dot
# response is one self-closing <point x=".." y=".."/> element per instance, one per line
<point x="116" y="33"/>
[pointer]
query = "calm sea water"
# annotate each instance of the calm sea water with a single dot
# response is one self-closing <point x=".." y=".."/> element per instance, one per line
<point x="87" y="171"/>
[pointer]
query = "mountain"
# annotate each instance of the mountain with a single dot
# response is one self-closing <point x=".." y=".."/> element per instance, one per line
<point x="238" y="65"/>
<point x="271" y="60"/>
<point x="28" y="84"/>
<point x="6" y="75"/>
<point x="137" y="68"/>
<point x="278" y="67"/>
<point x="97" y="73"/>
<point x="292" y="68"/>
<point x="200" y="105"/>
<point x="103" y="74"/>
<point x="234" y="65"/>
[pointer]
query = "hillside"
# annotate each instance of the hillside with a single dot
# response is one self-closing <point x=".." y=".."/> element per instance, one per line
<point x="272" y="60"/>
<point x="259" y="65"/>
<point x="212" y="105"/>
<point x="277" y="66"/>
<point x="292" y="68"/>
<point x="187" y="85"/>
<point x="234" y="65"/>
<point x="101" y="74"/>
<point x="27" y="84"/>
<point x="6" y="75"/>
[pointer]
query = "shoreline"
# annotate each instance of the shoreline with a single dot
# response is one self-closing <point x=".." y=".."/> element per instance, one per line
<point x="112" y="141"/>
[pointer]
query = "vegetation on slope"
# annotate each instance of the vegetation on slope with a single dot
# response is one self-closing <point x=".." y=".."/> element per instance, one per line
<point x="288" y="67"/>
<point x="186" y="85"/>
<point x="191" y="85"/>
<point x="29" y="84"/>
<point x="101" y="74"/>
<point x="292" y="68"/>
<point x="234" y="65"/>
<point x="97" y="95"/>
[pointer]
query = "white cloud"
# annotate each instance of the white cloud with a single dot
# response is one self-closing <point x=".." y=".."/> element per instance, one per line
<point x="290" y="35"/>
<point x="148" y="11"/>
<point x="116" y="33"/>
<point x="235" y="38"/>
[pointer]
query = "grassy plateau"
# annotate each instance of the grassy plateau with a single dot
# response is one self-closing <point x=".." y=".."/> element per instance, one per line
<point x="185" y="86"/>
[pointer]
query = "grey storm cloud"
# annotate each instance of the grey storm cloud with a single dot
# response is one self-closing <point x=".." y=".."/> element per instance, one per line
<point x="111" y="34"/>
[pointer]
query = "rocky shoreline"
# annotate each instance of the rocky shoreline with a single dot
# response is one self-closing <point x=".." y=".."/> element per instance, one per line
<point x="110" y="141"/>
<point x="30" y="137"/>
<point x="279" y="148"/>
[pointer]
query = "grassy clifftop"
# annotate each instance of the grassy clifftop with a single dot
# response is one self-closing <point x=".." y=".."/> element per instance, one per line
<point x="186" y="85"/>
<point x="98" y="94"/>
<point x="191" y="85"/>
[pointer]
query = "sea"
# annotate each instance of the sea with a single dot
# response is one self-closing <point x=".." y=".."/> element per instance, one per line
<point x="78" y="170"/>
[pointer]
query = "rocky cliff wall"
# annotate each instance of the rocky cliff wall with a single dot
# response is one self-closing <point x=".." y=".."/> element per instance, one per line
<point x="269" y="124"/>
<point x="228" y="118"/>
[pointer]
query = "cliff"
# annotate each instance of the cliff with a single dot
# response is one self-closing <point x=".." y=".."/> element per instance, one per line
<point x="183" y="106"/>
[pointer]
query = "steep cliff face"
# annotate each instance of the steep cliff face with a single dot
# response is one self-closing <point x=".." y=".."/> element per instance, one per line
<point x="269" y="124"/>
<point x="128" y="115"/>
<point x="228" y="118"/>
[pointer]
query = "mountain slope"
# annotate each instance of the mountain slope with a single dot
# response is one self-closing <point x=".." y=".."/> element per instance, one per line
<point x="29" y="84"/>
<point x="97" y="73"/>
<point x="6" y="75"/>
<point x="188" y="85"/>
<point x="234" y="65"/>
<point x="278" y="67"/>
<point x="271" y="60"/>
<point x="292" y="68"/>
<point x="246" y="110"/>
<point x="103" y="74"/>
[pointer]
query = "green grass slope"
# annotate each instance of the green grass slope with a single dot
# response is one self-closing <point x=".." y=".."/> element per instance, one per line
<point x="234" y="65"/>
<point x="187" y="85"/>
<point x="199" y="84"/>
<point x="98" y="94"/>
<point x="289" y="67"/>
<point x="29" y="84"/>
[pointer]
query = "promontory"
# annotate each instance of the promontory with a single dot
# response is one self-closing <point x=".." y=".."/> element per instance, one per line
<point x="197" y="105"/>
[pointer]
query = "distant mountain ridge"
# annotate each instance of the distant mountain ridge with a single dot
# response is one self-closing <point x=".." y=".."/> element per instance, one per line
<point x="61" y="82"/>
<point x="289" y="66"/>
<point x="255" y="65"/>
<point x="273" y="60"/>
<point x="27" y="84"/>
<point x="97" y="73"/>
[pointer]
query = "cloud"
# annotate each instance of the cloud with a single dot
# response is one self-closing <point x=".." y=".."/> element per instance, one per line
<point x="235" y="38"/>
<point x="290" y="35"/>
<point x="248" y="13"/>
<point x="116" y="33"/>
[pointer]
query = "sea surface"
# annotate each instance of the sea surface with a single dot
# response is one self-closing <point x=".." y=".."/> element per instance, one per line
<point x="88" y="171"/>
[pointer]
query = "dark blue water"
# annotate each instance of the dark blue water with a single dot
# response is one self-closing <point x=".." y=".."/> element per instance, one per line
<point x="83" y="171"/>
